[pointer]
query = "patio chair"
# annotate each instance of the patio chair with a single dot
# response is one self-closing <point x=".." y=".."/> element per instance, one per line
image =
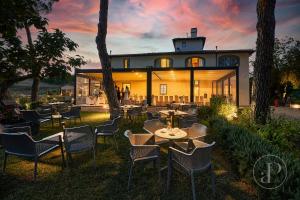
<point x="79" y="139"/>
<point x="74" y="113"/>
<point x="22" y="145"/>
<point x="142" y="149"/>
<point x="151" y="116"/>
<point x="187" y="121"/>
<point x="153" y="125"/>
<point x="109" y="129"/>
<point x="36" y="118"/>
<point x="197" y="161"/>
<point x="195" y="132"/>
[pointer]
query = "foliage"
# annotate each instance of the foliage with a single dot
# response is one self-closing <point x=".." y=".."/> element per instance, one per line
<point x="51" y="59"/>
<point x="283" y="133"/>
<point x="220" y="107"/>
<point x="244" y="148"/>
<point x="286" y="70"/>
<point x="204" y="112"/>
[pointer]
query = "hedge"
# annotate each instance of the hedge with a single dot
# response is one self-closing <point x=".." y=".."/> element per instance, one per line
<point x="244" y="148"/>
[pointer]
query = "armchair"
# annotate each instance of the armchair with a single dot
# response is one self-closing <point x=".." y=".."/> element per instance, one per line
<point x="142" y="149"/>
<point x="197" y="161"/>
<point x="22" y="145"/>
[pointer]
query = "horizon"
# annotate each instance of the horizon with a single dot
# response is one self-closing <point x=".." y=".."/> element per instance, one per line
<point x="136" y="26"/>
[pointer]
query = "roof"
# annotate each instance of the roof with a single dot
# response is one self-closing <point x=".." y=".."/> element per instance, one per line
<point x="250" y="51"/>
<point x="189" y="38"/>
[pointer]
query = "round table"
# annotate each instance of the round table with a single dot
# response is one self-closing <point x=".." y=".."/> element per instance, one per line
<point x="171" y="134"/>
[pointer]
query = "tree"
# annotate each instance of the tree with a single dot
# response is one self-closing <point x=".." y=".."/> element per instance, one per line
<point x="108" y="82"/>
<point x="264" y="58"/>
<point x="50" y="58"/>
<point x="14" y="60"/>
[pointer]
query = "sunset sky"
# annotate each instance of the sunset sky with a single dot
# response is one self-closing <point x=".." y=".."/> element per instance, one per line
<point x="149" y="25"/>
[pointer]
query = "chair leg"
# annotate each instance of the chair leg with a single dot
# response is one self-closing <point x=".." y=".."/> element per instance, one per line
<point x="169" y="177"/>
<point x="158" y="169"/>
<point x="115" y="139"/>
<point x="94" y="156"/>
<point x="213" y="181"/>
<point x="62" y="153"/>
<point x="193" y="186"/>
<point x="4" y="162"/>
<point x="130" y="174"/>
<point x="35" y="168"/>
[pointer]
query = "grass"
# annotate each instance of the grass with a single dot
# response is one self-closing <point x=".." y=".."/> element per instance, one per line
<point x="109" y="179"/>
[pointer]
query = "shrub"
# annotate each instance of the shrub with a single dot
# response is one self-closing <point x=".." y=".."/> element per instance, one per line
<point x="283" y="133"/>
<point x="204" y="112"/>
<point x="220" y="107"/>
<point x="245" y="148"/>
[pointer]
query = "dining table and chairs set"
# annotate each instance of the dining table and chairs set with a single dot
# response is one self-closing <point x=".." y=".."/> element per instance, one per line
<point x="187" y="151"/>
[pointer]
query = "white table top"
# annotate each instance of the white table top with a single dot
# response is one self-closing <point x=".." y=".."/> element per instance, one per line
<point x="177" y="113"/>
<point x="56" y="103"/>
<point x="172" y="134"/>
<point x="130" y="106"/>
<point x="56" y="116"/>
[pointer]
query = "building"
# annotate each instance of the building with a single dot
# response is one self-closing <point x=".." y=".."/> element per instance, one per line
<point x="188" y="74"/>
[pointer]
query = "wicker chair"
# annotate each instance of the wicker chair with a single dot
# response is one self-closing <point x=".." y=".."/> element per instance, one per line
<point x="187" y="121"/>
<point x="134" y="113"/>
<point x="153" y="125"/>
<point x="74" y="113"/>
<point x="142" y="149"/>
<point x="109" y="129"/>
<point x="151" y="116"/>
<point x="79" y="139"/>
<point x="22" y="145"/>
<point x="36" y="118"/>
<point x="198" y="161"/>
<point x="195" y="132"/>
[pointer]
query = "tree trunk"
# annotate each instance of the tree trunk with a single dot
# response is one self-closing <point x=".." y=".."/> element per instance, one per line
<point x="35" y="89"/>
<point x="108" y="82"/>
<point x="4" y="90"/>
<point x="35" y="69"/>
<point x="264" y="58"/>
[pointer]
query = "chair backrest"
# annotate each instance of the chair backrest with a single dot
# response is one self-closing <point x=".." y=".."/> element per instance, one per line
<point x="18" y="129"/>
<point x="201" y="155"/>
<point x="79" y="138"/>
<point x="18" y="143"/>
<point x="31" y="115"/>
<point x="188" y="121"/>
<point x="153" y="125"/>
<point x="149" y="115"/>
<point x="197" y="130"/>
<point x="75" y="110"/>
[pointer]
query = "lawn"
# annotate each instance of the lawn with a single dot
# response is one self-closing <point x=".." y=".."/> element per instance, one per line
<point x="109" y="179"/>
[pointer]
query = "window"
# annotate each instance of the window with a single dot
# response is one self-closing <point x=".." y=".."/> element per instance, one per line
<point x="183" y="44"/>
<point x="194" y="62"/>
<point x="229" y="61"/>
<point x="163" y="89"/>
<point x="126" y="63"/>
<point x="163" y="62"/>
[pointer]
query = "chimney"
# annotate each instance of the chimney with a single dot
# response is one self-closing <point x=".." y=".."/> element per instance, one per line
<point x="193" y="32"/>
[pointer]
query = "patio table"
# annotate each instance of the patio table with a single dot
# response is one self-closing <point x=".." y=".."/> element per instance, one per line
<point x="171" y="134"/>
<point x="173" y="113"/>
<point x="127" y="107"/>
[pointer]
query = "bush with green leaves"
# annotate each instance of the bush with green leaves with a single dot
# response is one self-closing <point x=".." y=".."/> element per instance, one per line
<point x="284" y="133"/>
<point x="245" y="148"/>
<point x="221" y="107"/>
<point x="204" y="112"/>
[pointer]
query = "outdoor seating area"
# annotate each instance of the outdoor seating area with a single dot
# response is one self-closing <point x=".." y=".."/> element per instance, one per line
<point x="154" y="140"/>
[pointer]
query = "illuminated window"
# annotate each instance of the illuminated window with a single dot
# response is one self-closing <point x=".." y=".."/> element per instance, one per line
<point x="126" y="63"/>
<point x="229" y="61"/>
<point x="163" y="62"/>
<point x="163" y="89"/>
<point x="194" y="62"/>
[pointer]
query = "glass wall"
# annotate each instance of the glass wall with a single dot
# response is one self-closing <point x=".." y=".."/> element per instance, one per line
<point x="170" y="86"/>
